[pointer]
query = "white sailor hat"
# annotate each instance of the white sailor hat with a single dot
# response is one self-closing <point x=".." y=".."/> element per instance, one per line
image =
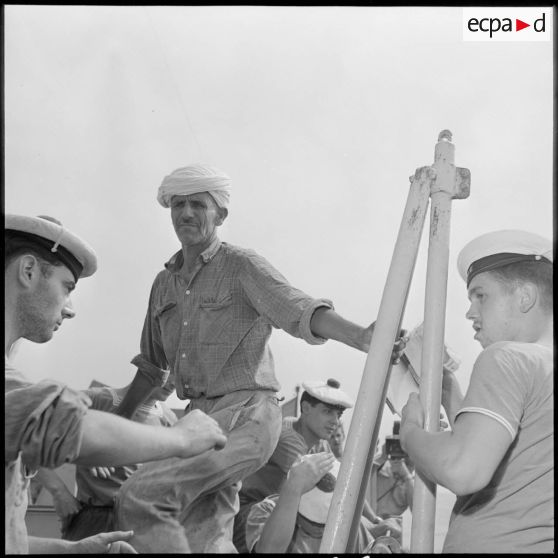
<point x="499" y="248"/>
<point x="50" y="234"/>
<point x="314" y="504"/>
<point x="328" y="392"/>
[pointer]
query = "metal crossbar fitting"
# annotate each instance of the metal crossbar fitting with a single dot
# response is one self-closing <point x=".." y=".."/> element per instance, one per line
<point x="440" y="183"/>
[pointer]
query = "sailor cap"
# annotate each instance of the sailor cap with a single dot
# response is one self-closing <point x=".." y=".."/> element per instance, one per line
<point x="328" y="392"/>
<point x="496" y="249"/>
<point x="50" y="234"/>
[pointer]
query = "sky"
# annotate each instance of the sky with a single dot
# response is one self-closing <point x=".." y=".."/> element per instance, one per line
<point x="318" y="114"/>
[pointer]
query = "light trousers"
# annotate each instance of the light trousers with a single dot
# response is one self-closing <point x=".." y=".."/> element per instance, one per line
<point x="187" y="505"/>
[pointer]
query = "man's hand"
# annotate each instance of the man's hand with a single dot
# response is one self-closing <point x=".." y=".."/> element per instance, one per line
<point x="412" y="415"/>
<point x="102" y="472"/>
<point x="400" y="471"/>
<point x="385" y="526"/>
<point x="65" y="504"/>
<point x="200" y="432"/>
<point x="308" y="470"/>
<point x="398" y="346"/>
<point x="105" y="543"/>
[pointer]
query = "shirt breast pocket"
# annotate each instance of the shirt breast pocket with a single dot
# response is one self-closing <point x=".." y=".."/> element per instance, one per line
<point x="167" y="317"/>
<point x="216" y="321"/>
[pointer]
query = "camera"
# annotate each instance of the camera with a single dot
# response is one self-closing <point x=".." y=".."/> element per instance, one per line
<point x="393" y="444"/>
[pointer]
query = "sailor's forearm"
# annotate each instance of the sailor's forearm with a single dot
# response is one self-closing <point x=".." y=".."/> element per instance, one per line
<point x="279" y="528"/>
<point x="111" y="440"/>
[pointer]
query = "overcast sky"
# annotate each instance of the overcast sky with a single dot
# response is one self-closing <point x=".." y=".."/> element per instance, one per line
<point x="318" y="114"/>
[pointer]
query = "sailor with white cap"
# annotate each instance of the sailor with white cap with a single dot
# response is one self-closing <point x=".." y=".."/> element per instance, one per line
<point x="44" y="241"/>
<point x="498" y="459"/>
<point x="501" y="248"/>
<point x="321" y="405"/>
<point x="47" y="423"/>
<point x="293" y="520"/>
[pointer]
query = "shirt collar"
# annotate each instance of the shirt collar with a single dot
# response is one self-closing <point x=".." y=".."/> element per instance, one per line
<point x="176" y="261"/>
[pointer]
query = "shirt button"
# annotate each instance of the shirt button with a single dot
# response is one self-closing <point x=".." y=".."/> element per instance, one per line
<point x="186" y="386"/>
<point x="183" y="355"/>
<point x="185" y="323"/>
<point x="188" y="291"/>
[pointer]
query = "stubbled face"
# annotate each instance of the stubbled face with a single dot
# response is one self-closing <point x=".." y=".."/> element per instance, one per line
<point x="322" y="419"/>
<point x="43" y="308"/>
<point x="195" y="218"/>
<point x="494" y="310"/>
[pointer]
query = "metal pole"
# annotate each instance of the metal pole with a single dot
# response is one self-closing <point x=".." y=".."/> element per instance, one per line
<point x="353" y="533"/>
<point x="371" y="392"/>
<point x="361" y="495"/>
<point x="448" y="184"/>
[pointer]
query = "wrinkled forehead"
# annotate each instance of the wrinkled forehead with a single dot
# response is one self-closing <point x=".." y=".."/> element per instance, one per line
<point x="200" y="196"/>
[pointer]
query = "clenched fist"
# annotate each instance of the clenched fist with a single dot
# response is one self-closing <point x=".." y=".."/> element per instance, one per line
<point x="200" y="433"/>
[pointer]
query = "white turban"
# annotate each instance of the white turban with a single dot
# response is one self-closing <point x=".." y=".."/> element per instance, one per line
<point x="193" y="179"/>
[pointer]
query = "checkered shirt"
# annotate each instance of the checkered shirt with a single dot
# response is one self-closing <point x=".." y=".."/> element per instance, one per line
<point x="213" y="332"/>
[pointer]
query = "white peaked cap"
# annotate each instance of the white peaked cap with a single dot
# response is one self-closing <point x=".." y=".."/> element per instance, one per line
<point x="496" y="249"/>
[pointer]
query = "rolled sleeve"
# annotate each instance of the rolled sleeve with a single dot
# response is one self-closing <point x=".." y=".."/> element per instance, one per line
<point x="285" y="306"/>
<point x="304" y="327"/>
<point x="498" y="387"/>
<point x="151" y="343"/>
<point x="43" y="422"/>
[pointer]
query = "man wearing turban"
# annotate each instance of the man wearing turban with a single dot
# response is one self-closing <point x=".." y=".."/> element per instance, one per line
<point x="209" y="319"/>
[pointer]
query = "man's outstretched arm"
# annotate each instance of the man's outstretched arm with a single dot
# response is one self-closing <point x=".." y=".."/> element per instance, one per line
<point x="329" y="324"/>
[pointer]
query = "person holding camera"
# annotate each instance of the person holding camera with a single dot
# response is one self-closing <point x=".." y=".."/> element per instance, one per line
<point x="391" y="482"/>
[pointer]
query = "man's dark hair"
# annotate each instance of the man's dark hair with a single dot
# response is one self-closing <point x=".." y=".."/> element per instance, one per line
<point x="16" y="245"/>
<point x="307" y="397"/>
<point x="537" y="272"/>
<point x="314" y="401"/>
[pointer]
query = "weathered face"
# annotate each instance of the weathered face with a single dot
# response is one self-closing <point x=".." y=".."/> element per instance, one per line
<point x="322" y="419"/>
<point x="494" y="310"/>
<point x="47" y="304"/>
<point x="195" y="218"/>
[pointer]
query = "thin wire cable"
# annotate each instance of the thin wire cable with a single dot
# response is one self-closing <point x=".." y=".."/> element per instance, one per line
<point x="173" y="82"/>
